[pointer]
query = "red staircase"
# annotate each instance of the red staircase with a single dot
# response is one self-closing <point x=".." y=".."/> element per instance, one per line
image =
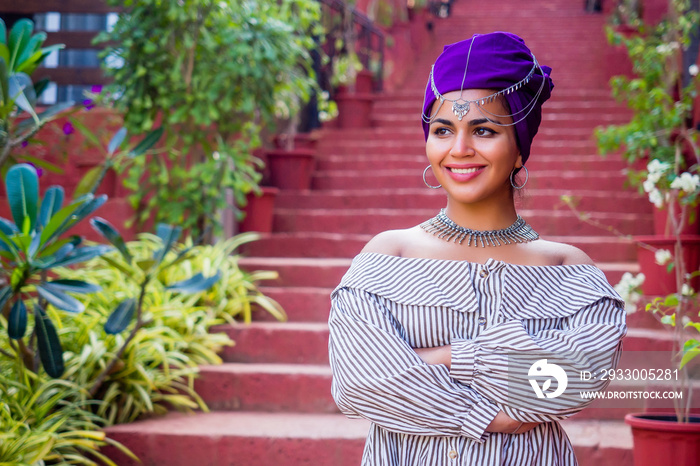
<point x="271" y="399"/>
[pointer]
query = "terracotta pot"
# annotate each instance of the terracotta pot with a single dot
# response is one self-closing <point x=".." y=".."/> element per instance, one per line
<point x="259" y="211"/>
<point x="659" y="282"/>
<point x="663" y="227"/>
<point x="354" y="110"/>
<point x="307" y="141"/>
<point x="660" y="439"/>
<point x="364" y="82"/>
<point x="291" y="169"/>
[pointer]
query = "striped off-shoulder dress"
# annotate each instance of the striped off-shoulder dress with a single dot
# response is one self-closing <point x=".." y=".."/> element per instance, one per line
<point x="498" y="317"/>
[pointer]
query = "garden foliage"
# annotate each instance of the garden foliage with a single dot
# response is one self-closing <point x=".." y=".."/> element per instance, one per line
<point x="94" y="334"/>
<point x="212" y="73"/>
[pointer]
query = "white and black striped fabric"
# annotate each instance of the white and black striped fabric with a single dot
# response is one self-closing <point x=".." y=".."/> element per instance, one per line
<point x="430" y="415"/>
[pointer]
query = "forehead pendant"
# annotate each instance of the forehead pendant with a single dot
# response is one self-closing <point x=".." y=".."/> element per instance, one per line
<point x="460" y="109"/>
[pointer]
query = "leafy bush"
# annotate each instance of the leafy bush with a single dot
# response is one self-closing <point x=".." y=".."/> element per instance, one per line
<point x="213" y="72"/>
<point x="21" y="52"/>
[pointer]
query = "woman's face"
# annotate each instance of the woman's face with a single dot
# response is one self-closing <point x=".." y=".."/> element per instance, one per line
<point x="472" y="158"/>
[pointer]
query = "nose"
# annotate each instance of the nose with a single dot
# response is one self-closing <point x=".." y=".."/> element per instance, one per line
<point x="463" y="145"/>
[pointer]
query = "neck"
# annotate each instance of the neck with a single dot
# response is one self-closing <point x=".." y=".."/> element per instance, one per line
<point x="482" y="216"/>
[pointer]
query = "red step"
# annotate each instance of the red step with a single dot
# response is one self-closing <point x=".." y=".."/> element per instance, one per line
<point x="307" y="342"/>
<point x="304" y="388"/>
<point x="606" y="180"/>
<point x="241" y="439"/>
<point x="266" y="439"/>
<point x="302" y="304"/>
<point x="309" y="245"/>
<point x="535" y="164"/>
<point x="424" y="198"/>
<point x="266" y="387"/>
<point x="277" y="342"/>
<point x="374" y="221"/>
<point x="326" y="273"/>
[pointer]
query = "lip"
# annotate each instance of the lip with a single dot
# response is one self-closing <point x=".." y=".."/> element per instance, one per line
<point x="462" y="177"/>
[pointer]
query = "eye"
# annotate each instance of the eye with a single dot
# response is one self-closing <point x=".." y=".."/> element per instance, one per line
<point x="482" y="131"/>
<point x="441" y="131"/>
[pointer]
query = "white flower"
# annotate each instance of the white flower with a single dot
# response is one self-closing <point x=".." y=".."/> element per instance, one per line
<point x="657" y="167"/>
<point x="656" y="198"/>
<point x="693" y="70"/>
<point x="627" y="289"/>
<point x="649" y="185"/>
<point x="662" y="256"/>
<point x="687" y="182"/>
<point x="687" y="290"/>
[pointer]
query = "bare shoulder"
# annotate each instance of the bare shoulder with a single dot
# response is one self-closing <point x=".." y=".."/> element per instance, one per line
<point x="390" y="242"/>
<point x="566" y="253"/>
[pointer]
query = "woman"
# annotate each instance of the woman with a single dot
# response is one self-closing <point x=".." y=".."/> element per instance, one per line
<point x="462" y="339"/>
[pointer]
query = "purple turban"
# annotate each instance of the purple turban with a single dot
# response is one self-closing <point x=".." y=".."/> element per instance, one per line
<point x="497" y="61"/>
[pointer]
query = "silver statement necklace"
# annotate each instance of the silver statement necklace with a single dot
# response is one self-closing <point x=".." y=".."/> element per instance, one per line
<point x="444" y="228"/>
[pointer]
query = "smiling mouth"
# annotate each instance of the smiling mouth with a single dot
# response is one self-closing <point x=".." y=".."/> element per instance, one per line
<point x="463" y="171"/>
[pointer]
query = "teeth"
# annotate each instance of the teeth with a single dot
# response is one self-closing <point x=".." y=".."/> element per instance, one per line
<point x="464" y="170"/>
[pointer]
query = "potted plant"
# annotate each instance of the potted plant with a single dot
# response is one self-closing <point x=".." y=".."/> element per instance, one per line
<point x="661" y="136"/>
<point x="291" y="166"/>
<point x="353" y="83"/>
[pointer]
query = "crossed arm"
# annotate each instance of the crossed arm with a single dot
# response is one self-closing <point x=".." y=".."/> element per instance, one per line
<point x="435" y="391"/>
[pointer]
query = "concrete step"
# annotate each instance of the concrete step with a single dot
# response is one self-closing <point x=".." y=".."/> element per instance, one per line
<point x="274" y="439"/>
<point x="423" y="198"/>
<point x="378" y="145"/>
<point x="593" y="162"/>
<point x="304" y="388"/>
<point x="305" y="244"/>
<point x="300" y="388"/>
<point x="302" y="304"/>
<point x="307" y="342"/>
<point x="604" y="180"/>
<point x="326" y="273"/>
<point x="278" y="342"/>
<point x="241" y="439"/>
<point x="373" y="221"/>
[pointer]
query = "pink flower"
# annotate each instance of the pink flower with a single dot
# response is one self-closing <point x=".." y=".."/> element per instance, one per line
<point x="39" y="170"/>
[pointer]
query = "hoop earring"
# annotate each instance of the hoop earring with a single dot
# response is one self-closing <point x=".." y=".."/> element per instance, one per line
<point x="426" y="181"/>
<point x="527" y="177"/>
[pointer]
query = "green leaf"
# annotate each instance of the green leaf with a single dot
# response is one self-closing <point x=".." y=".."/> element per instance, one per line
<point x="116" y="141"/>
<point x="146" y="143"/>
<point x="22" y="185"/>
<point x="21" y="91"/>
<point x="3" y="32"/>
<point x="50" y="351"/>
<point x="120" y="318"/>
<point x="17" y="322"/>
<point x="169" y="235"/>
<point x="89" y="180"/>
<point x="51" y="204"/>
<point x="691" y="349"/>
<point x="20" y="34"/>
<point x="5" y="295"/>
<point x="59" y="299"/>
<point x="195" y="284"/>
<point x="4" y="82"/>
<point x="60" y="220"/>
<point x="8" y="227"/>
<point x="83" y="254"/>
<point x="59" y="255"/>
<point x="75" y="286"/>
<point x="106" y="229"/>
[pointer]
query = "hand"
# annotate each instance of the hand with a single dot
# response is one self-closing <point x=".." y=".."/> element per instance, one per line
<point x="436" y="355"/>
<point x="505" y="424"/>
